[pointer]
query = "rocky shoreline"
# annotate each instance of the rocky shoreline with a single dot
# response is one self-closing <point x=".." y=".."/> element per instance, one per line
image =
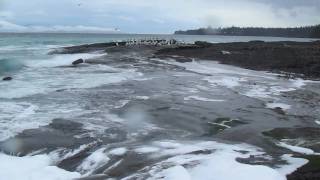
<point x="294" y="59"/>
<point x="291" y="59"/>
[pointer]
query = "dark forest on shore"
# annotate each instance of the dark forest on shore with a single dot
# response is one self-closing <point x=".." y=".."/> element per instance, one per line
<point x="299" y="32"/>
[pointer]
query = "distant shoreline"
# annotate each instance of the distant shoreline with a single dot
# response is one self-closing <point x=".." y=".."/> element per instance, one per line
<point x="293" y="32"/>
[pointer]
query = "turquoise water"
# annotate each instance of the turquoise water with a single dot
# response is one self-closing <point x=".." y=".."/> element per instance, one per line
<point x="15" y="49"/>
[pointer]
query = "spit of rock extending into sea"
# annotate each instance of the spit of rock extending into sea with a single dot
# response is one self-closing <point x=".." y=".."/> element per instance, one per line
<point x="292" y="59"/>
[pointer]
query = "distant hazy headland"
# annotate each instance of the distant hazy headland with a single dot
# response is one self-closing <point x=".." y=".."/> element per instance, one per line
<point x="299" y="32"/>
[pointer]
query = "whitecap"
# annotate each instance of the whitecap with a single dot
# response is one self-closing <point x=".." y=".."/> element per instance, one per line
<point x="199" y="98"/>
<point x="15" y="117"/>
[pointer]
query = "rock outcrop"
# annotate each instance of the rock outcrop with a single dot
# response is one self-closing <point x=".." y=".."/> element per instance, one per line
<point x="8" y="78"/>
<point x="79" y="61"/>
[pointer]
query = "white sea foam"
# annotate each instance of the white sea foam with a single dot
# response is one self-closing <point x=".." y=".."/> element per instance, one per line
<point x="60" y="60"/>
<point x="16" y="111"/>
<point x="63" y="153"/>
<point x="32" y="168"/>
<point x="209" y="67"/>
<point x="167" y="144"/>
<point x="122" y="103"/>
<point x="299" y="83"/>
<point x="199" y="98"/>
<point x="218" y="161"/>
<point x="93" y="162"/>
<point x="258" y="92"/>
<point x="142" y="97"/>
<point x="255" y="84"/>
<point x="118" y="151"/>
<point x="278" y="105"/>
<point x="143" y="150"/>
<point x="174" y="173"/>
<point x="44" y="80"/>
<point x="318" y="122"/>
<point x="18" y="116"/>
<point x="297" y="149"/>
<point x="274" y="88"/>
<point x="294" y="164"/>
<point x="229" y="82"/>
<point x="15" y="117"/>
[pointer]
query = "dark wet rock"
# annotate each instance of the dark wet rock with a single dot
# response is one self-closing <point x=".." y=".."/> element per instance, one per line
<point x="122" y="43"/>
<point x="261" y="160"/>
<point x="114" y="135"/>
<point x="307" y="137"/>
<point x="130" y="163"/>
<point x="58" y="134"/>
<point x="79" y="61"/>
<point x="203" y="44"/>
<point x="71" y="163"/>
<point x="179" y="59"/>
<point x="182" y="59"/>
<point x="7" y="78"/>
<point x="279" y="110"/>
<point x="310" y="171"/>
<point x="294" y="133"/>
<point x="61" y="90"/>
<point x="311" y="96"/>
<point x="65" y="126"/>
<point x="300" y="59"/>
<point x="256" y="41"/>
<point x="171" y="50"/>
<point x="199" y="152"/>
<point x="95" y="177"/>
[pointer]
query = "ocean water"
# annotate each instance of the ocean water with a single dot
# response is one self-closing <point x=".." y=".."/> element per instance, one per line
<point x="25" y="57"/>
<point x="16" y="49"/>
<point x="144" y="109"/>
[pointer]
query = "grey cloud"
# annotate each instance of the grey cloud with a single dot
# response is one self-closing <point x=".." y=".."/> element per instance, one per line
<point x="291" y="3"/>
<point x="160" y="16"/>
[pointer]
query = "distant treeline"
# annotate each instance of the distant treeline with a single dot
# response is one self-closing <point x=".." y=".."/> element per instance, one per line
<point x="302" y="32"/>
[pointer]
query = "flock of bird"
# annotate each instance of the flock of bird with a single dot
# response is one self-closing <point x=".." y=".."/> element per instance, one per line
<point x="154" y="41"/>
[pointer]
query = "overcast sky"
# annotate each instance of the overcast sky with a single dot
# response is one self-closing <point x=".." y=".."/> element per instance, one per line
<point x="153" y="16"/>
